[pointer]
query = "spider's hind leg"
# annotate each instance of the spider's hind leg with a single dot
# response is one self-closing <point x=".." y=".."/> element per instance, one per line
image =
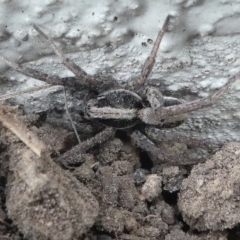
<point x="160" y="135"/>
<point x="161" y="155"/>
<point x="147" y="145"/>
<point x="177" y="153"/>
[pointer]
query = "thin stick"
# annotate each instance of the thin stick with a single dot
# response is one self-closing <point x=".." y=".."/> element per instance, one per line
<point x="11" y="121"/>
<point x="69" y="116"/>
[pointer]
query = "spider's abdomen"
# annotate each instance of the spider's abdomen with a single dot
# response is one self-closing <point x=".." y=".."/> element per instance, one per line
<point x="115" y="108"/>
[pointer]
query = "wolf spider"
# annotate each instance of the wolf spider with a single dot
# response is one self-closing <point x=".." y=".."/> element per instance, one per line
<point x="118" y="108"/>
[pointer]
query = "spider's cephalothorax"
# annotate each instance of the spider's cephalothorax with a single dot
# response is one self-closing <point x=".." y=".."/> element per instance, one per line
<point x="119" y="108"/>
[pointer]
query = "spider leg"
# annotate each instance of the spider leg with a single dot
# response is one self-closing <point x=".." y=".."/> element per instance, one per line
<point x="149" y="63"/>
<point x="156" y="116"/>
<point x="147" y="145"/>
<point x="160" y="135"/>
<point x="50" y="79"/>
<point x="80" y="73"/>
<point x="76" y="154"/>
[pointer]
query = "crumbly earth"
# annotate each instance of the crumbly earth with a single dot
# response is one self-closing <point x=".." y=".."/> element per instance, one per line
<point x="114" y="193"/>
<point x="43" y="200"/>
<point x="209" y="197"/>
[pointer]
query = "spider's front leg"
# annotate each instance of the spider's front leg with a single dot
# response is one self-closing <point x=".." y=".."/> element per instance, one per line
<point x="149" y="63"/>
<point x="155" y="116"/>
<point x="76" y="155"/>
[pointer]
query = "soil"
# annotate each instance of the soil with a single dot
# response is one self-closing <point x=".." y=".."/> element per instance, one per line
<point x="116" y="192"/>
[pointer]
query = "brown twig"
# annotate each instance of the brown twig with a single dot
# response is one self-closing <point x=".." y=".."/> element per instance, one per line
<point x="10" y="120"/>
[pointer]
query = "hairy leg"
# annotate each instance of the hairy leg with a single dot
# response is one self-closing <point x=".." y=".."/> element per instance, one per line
<point x="80" y="73"/>
<point x="76" y="154"/>
<point x="50" y="79"/>
<point x="147" y="145"/>
<point x="169" y="136"/>
<point x="181" y="157"/>
<point x="149" y="63"/>
<point x="156" y="116"/>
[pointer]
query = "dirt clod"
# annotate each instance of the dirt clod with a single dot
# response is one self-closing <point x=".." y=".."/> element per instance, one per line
<point x="44" y="201"/>
<point x="152" y="188"/>
<point x="209" y="198"/>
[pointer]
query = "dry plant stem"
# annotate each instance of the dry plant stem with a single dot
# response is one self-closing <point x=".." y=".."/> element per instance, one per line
<point x="10" y="120"/>
<point x="69" y="116"/>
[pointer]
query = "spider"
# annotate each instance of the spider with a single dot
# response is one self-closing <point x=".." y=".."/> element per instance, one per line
<point x="119" y="108"/>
